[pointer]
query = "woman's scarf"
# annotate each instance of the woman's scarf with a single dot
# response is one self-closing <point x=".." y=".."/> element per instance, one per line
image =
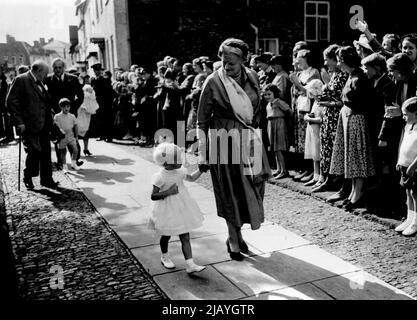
<point x="239" y="100"/>
<point x="252" y="154"/>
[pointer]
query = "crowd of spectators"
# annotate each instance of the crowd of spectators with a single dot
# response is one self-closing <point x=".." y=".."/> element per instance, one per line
<point x="338" y="123"/>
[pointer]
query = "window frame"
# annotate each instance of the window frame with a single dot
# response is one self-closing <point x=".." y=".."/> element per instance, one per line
<point x="262" y="42"/>
<point x="317" y="18"/>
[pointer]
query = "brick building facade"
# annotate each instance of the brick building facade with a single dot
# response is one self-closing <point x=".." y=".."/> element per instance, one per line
<point x="191" y="28"/>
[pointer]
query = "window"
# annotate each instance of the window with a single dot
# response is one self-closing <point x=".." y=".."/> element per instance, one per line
<point x="14" y="60"/>
<point x="269" y="45"/>
<point x="316" y="21"/>
<point x="21" y="59"/>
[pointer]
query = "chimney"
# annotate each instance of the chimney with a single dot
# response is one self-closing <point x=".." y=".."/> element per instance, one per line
<point x="50" y="40"/>
<point x="42" y="41"/>
<point x="10" y="39"/>
<point x="36" y="43"/>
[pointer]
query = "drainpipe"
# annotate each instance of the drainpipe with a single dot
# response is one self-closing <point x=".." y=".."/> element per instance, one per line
<point x="256" y="37"/>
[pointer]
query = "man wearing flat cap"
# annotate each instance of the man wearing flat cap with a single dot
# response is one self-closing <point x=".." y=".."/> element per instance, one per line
<point x="104" y="95"/>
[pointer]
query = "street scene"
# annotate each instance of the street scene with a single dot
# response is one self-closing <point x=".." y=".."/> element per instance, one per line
<point x="161" y="151"/>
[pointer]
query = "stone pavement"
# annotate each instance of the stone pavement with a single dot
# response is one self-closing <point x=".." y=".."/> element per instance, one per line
<point x="281" y="265"/>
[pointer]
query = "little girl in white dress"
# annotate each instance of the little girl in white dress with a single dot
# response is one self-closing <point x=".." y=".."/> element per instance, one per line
<point x="88" y="108"/>
<point x="314" y="118"/>
<point x="174" y="211"/>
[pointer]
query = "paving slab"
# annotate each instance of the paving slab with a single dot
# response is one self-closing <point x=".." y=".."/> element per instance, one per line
<point x="135" y="236"/>
<point x="280" y="269"/>
<point x="205" y="285"/>
<point x="280" y="265"/>
<point x="121" y="210"/>
<point x="360" y="285"/>
<point x="270" y="238"/>
<point x="206" y="250"/>
<point x="301" y="292"/>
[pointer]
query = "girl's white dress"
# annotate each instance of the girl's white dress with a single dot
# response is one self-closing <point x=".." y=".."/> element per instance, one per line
<point x="312" y="142"/>
<point x="176" y="214"/>
<point x="88" y="107"/>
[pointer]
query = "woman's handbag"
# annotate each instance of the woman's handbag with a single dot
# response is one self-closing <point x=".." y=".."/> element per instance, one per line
<point x="303" y="104"/>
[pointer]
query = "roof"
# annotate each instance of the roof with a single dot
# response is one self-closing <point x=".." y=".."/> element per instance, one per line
<point x="12" y="49"/>
<point x="56" y="44"/>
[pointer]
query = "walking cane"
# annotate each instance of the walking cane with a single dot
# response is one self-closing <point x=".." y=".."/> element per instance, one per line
<point x="20" y="157"/>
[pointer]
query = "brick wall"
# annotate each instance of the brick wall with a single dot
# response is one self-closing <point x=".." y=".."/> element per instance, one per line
<point x="190" y="28"/>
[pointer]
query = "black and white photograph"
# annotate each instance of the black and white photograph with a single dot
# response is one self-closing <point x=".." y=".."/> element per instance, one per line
<point x="202" y="157"/>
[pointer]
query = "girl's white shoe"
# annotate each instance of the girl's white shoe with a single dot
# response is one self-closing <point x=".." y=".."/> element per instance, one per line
<point x="167" y="262"/>
<point x="406" y="223"/>
<point x="192" y="267"/>
<point x="411" y="230"/>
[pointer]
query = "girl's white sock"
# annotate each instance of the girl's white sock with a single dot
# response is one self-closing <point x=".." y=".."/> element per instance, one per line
<point x="316" y="176"/>
<point x="189" y="262"/>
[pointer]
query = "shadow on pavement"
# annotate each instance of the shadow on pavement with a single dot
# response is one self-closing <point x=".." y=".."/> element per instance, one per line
<point x="101" y="159"/>
<point x="104" y="176"/>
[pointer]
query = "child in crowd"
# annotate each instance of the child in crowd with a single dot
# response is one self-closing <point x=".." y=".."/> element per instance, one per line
<point x="407" y="165"/>
<point x="277" y="111"/>
<point x="314" y="119"/>
<point x="88" y="108"/>
<point x="174" y="211"/>
<point x="66" y="122"/>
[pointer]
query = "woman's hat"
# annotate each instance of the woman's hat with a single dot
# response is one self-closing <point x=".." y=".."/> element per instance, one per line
<point x="363" y="42"/>
<point x="97" y="66"/>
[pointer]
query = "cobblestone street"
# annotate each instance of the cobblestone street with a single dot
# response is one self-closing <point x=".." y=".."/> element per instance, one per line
<point x="54" y="229"/>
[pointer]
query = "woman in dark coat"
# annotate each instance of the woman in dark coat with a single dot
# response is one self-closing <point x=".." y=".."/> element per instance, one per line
<point x="230" y="100"/>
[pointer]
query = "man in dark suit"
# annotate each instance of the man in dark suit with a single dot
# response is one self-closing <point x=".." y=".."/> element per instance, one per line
<point x="104" y="95"/>
<point x="64" y="85"/>
<point x="28" y="103"/>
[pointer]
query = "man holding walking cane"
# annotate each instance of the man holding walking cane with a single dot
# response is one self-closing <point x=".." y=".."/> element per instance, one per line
<point x="29" y="107"/>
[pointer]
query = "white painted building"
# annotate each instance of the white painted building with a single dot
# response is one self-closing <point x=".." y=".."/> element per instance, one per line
<point x="103" y="33"/>
<point x="61" y="48"/>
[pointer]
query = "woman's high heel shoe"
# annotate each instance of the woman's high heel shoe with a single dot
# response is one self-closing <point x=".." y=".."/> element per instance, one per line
<point x="361" y="203"/>
<point x="243" y="246"/>
<point x="87" y="153"/>
<point x="234" y="255"/>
